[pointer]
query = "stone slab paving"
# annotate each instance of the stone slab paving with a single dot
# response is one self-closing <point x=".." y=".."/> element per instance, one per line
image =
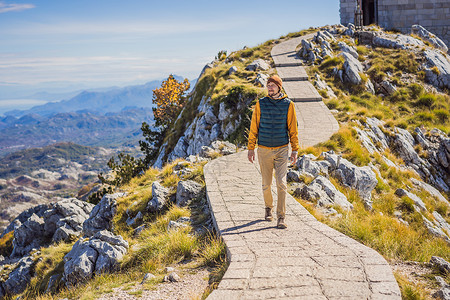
<point x="293" y="73"/>
<point x="308" y="260"/>
<point x="300" y="91"/>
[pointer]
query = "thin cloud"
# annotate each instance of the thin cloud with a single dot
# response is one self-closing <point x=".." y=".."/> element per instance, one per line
<point x="8" y="7"/>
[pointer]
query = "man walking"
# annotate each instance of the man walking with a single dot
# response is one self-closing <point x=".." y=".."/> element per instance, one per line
<point x="274" y="125"/>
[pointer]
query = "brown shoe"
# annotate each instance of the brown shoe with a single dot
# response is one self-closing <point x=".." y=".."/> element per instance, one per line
<point x="281" y="224"/>
<point x="268" y="216"/>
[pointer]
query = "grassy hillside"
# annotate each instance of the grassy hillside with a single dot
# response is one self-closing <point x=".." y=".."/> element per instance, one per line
<point x="190" y="249"/>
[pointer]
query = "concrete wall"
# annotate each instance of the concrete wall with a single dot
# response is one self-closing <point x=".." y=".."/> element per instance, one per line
<point x="434" y="15"/>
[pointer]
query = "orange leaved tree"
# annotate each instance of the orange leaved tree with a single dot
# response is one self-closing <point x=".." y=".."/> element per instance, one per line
<point x="169" y="100"/>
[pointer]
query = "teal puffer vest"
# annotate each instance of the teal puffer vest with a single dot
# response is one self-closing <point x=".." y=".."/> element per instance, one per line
<point x="273" y="130"/>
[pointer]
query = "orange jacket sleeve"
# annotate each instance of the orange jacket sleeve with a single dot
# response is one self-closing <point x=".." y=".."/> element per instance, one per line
<point x="253" y="134"/>
<point x="292" y="127"/>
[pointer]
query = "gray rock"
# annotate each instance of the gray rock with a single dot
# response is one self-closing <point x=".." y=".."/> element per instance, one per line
<point x="261" y="79"/>
<point x="440" y="281"/>
<point x="20" y="277"/>
<point x="362" y="179"/>
<point x="436" y="60"/>
<point x="348" y="49"/>
<point x="172" y="277"/>
<point x="224" y="147"/>
<point x="426" y="35"/>
<point x="139" y="229"/>
<point x="293" y="176"/>
<point x="443" y="293"/>
<point x="366" y="140"/>
<point x="28" y="236"/>
<point x="210" y="118"/>
<point x="207" y="152"/>
<point x="435" y="230"/>
<point x="174" y="225"/>
<point x="430" y="189"/>
<point x="147" y="277"/>
<point x="133" y="221"/>
<point x="187" y="191"/>
<point x="64" y="233"/>
<point x="79" y="263"/>
<point x="306" y="165"/>
<point x="441" y="264"/>
<point x="159" y="197"/>
<point x="415" y="198"/>
<point x="258" y="64"/>
<point x="159" y="160"/>
<point x="53" y="282"/>
<point x="325" y="193"/>
<point x="232" y="70"/>
<point x="98" y="254"/>
<point x="351" y="69"/>
<point x="169" y="269"/>
<point x="101" y="215"/>
<point x="388" y="88"/>
<point x="440" y="221"/>
<point x="396" y="41"/>
<point x="223" y="112"/>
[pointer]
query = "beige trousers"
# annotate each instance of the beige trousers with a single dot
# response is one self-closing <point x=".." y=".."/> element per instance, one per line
<point x="270" y="159"/>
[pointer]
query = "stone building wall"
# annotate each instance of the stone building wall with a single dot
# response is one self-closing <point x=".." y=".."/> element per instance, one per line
<point x="434" y="15"/>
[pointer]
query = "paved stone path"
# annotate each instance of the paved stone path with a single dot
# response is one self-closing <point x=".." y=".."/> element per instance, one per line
<point x="308" y="260"/>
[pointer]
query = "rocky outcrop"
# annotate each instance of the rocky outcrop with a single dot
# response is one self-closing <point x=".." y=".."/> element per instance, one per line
<point x="362" y="179"/>
<point x="307" y="165"/>
<point x="19" y="278"/>
<point x="44" y="224"/>
<point x="417" y="201"/>
<point x="428" y="36"/>
<point x="98" y="254"/>
<point x="101" y="215"/>
<point x="433" y="168"/>
<point x="437" y="69"/>
<point x="159" y="199"/>
<point x="324" y="193"/>
<point x="187" y="191"/>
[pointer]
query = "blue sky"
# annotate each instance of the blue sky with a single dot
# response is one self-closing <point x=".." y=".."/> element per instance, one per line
<point x="64" y="45"/>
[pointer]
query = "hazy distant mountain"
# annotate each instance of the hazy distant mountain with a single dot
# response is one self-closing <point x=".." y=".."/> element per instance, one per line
<point x="109" y="100"/>
<point x="86" y="128"/>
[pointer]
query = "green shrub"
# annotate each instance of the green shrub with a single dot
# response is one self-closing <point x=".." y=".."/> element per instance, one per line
<point x="426" y="101"/>
<point x="442" y="115"/>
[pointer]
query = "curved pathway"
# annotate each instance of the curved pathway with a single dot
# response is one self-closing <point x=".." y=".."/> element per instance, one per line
<point x="308" y="260"/>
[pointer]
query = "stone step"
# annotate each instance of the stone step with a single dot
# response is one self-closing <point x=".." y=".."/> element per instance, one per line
<point x="301" y="91"/>
<point x="292" y="73"/>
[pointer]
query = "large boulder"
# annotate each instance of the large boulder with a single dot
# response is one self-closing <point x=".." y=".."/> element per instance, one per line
<point x="19" y="278"/>
<point x="437" y="70"/>
<point x="306" y="165"/>
<point x="352" y="68"/>
<point x="29" y="236"/>
<point x="66" y="218"/>
<point x="396" y="41"/>
<point x="348" y="49"/>
<point x="325" y="193"/>
<point x="362" y="179"/>
<point x="159" y="199"/>
<point x="98" y="254"/>
<point x="426" y="35"/>
<point x="187" y="191"/>
<point x="101" y="215"/>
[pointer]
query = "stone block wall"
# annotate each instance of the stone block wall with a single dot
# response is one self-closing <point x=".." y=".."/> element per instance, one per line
<point x="434" y="15"/>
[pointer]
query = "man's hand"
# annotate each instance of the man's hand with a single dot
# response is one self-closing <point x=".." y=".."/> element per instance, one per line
<point x="293" y="157"/>
<point x="251" y="155"/>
